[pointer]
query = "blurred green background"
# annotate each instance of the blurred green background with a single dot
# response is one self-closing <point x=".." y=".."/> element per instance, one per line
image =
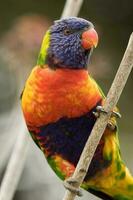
<point x="22" y="26"/>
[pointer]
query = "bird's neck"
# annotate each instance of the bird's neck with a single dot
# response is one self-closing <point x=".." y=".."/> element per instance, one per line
<point x="71" y="75"/>
<point x="64" y="76"/>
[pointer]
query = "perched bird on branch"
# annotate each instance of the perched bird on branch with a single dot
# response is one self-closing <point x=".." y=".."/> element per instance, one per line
<point x="61" y="102"/>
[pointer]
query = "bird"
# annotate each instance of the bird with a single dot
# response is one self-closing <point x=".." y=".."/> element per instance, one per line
<point x="61" y="102"/>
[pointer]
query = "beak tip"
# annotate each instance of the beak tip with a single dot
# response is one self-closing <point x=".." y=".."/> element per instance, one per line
<point x="95" y="45"/>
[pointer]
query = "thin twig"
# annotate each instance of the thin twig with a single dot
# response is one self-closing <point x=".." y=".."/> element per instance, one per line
<point x="17" y="160"/>
<point x="99" y="127"/>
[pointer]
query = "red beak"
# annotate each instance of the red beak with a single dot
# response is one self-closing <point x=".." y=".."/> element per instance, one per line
<point x="89" y="39"/>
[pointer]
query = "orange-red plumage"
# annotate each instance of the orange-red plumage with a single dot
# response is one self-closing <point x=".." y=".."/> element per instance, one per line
<point x="52" y="94"/>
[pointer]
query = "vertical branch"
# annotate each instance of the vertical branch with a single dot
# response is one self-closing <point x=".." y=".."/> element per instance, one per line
<point x="100" y="125"/>
<point x="71" y="8"/>
<point x="17" y="160"/>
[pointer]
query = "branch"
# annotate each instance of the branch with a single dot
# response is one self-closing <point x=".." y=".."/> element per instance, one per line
<point x="16" y="165"/>
<point x="101" y="123"/>
<point x="71" y="8"/>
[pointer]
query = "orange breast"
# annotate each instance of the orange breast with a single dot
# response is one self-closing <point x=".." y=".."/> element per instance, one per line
<point x="52" y="94"/>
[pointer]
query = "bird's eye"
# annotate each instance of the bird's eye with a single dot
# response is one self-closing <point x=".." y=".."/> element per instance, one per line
<point x="67" y="31"/>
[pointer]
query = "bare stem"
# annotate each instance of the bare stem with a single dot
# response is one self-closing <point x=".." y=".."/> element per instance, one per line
<point x="100" y="125"/>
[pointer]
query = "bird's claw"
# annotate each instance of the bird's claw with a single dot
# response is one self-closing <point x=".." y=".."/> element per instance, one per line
<point x="69" y="185"/>
<point x="116" y="114"/>
<point x="110" y="125"/>
<point x="100" y="109"/>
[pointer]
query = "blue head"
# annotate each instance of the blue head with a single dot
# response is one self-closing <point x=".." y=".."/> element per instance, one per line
<point x="70" y="43"/>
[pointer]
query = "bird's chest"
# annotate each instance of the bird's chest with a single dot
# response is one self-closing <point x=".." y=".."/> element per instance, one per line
<point x="54" y="95"/>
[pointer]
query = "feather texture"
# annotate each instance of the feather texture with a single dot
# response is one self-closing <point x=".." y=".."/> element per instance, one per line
<point x="58" y="107"/>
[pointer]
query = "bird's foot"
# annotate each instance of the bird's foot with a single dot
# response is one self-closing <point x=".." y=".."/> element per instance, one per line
<point x="100" y="109"/>
<point x="69" y="185"/>
<point x="110" y="125"/>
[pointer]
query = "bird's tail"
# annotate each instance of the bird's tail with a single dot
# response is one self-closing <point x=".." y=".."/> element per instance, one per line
<point x="114" y="182"/>
<point x="116" y="186"/>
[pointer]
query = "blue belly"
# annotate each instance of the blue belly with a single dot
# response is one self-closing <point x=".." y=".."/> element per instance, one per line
<point x="67" y="138"/>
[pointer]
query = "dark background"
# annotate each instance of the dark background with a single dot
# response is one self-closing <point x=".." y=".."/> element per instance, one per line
<point x="22" y="25"/>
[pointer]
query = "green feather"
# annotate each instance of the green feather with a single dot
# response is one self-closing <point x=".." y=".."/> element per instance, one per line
<point x="43" y="51"/>
<point x="56" y="169"/>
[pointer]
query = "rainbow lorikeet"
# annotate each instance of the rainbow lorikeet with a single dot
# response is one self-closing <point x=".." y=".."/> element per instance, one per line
<point x="60" y="102"/>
